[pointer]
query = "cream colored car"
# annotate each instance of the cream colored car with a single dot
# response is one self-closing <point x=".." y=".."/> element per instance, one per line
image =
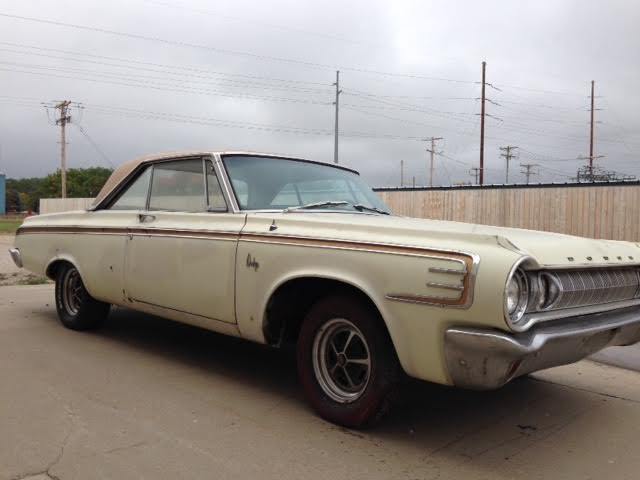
<point x="286" y="251"/>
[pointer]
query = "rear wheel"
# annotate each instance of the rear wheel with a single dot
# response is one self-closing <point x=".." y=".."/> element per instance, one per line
<point x="77" y="309"/>
<point x="346" y="362"/>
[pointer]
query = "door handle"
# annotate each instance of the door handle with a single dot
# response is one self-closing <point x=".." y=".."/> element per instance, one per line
<point x="146" y="217"/>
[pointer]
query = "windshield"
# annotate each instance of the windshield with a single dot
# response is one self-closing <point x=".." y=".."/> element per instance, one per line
<point x="265" y="183"/>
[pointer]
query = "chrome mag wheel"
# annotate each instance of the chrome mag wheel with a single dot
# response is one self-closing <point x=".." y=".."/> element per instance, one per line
<point x="72" y="288"/>
<point x="341" y="360"/>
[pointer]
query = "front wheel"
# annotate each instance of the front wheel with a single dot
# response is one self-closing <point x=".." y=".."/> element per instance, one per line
<point x="77" y="309"/>
<point x="346" y="362"/>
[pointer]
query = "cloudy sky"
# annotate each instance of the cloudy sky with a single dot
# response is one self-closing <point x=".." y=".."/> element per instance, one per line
<point x="158" y="75"/>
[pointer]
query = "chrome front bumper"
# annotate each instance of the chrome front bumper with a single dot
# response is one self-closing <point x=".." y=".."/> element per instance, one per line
<point x="16" y="257"/>
<point x="487" y="359"/>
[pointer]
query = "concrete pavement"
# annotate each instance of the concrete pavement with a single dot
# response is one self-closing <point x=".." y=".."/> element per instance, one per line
<point x="148" y="398"/>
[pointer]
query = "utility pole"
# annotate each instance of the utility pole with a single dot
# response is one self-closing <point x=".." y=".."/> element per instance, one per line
<point x="528" y="170"/>
<point x="337" y="104"/>
<point x="62" y="121"/>
<point x="507" y="155"/>
<point x="475" y="172"/>
<point x="414" y="182"/>
<point x="433" y="152"/>
<point x="591" y="131"/>
<point x="590" y="175"/>
<point x="402" y="173"/>
<point x="482" y="112"/>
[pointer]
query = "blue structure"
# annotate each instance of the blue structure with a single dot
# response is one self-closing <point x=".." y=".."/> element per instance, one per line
<point x="3" y="194"/>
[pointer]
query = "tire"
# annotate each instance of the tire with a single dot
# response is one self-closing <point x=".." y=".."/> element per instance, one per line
<point x="77" y="309"/>
<point x="338" y="335"/>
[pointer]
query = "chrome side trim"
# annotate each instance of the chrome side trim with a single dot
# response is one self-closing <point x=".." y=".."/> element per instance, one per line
<point x="446" y="286"/>
<point x="16" y="256"/>
<point x="133" y="231"/>
<point x="432" y="300"/>
<point x="469" y="260"/>
<point x="225" y="183"/>
<point x="463" y="301"/>
<point x="451" y="271"/>
<point x="534" y="318"/>
<point x="486" y="359"/>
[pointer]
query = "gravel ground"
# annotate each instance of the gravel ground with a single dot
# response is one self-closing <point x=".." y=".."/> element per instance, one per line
<point x="9" y="273"/>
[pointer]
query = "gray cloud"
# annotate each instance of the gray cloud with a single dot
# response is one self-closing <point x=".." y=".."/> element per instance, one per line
<point x="541" y="55"/>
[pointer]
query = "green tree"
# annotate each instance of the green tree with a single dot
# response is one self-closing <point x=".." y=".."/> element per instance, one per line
<point x="81" y="182"/>
<point x="13" y="200"/>
<point x="25" y="193"/>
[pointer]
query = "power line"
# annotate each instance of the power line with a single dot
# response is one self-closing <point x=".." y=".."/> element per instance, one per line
<point x="169" y="88"/>
<point x="540" y="90"/>
<point x="207" y="79"/>
<point x="190" y="119"/>
<point x="225" y="51"/>
<point x="174" y="117"/>
<point x="401" y="105"/>
<point x="180" y="81"/>
<point x="140" y="64"/>
<point x="94" y="144"/>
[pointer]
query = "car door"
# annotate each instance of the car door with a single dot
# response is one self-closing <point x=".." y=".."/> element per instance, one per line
<point x="181" y="254"/>
<point x="100" y="250"/>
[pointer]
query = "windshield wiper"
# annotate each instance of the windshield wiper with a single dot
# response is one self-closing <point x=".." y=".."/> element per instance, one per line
<point x="330" y="203"/>
<point x="360" y="207"/>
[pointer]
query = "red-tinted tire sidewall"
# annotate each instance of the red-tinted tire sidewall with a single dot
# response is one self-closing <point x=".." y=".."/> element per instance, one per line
<point x="376" y="399"/>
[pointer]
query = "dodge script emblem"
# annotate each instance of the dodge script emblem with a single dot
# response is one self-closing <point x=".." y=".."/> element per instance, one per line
<point x="252" y="263"/>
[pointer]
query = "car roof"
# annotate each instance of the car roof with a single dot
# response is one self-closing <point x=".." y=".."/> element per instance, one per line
<point x="124" y="171"/>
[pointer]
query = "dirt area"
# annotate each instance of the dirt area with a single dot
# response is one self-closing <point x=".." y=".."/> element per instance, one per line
<point x="9" y="273"/>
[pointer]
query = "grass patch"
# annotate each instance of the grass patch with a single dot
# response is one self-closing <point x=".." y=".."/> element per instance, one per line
<point x="33" y="280"/>
<point x="19" y="278"/>
<point x="9" y="225"/>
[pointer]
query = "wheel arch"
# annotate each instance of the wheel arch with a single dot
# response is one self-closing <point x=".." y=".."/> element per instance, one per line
<point x="51" y="269"/>
<point x="290" y="300"/>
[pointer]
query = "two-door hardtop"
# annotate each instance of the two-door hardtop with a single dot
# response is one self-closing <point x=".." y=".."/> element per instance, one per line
<point x="289" y="251"/>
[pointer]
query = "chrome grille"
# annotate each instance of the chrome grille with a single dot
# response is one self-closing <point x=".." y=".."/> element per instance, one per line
<point x="592" y="287"/>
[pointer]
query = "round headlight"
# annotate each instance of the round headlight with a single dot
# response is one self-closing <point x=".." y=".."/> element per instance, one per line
<point x="516" y="296"/>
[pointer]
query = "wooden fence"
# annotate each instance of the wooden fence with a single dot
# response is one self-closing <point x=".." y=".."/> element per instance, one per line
<point x="57" y="205"/>
<point x="599" y="211"/>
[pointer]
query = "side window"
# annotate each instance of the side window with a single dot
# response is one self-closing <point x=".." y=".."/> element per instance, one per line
<point x="178" y="186"/>
<point x="214" y="192"/>
<point x="135" y="196"/>
<point x="242" y="192"/>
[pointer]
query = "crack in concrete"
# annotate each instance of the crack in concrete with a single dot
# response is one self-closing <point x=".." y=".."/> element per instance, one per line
<point x="71" y="416"/>
<point x="47" y="470"/>
<point x="127" y="447"/>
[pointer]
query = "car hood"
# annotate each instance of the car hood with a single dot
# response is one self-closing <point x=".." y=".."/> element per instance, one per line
<point x="547" y="248"/>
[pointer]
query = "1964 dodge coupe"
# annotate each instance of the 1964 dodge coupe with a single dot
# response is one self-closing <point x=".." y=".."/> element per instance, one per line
<point x="286" y="251"/>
